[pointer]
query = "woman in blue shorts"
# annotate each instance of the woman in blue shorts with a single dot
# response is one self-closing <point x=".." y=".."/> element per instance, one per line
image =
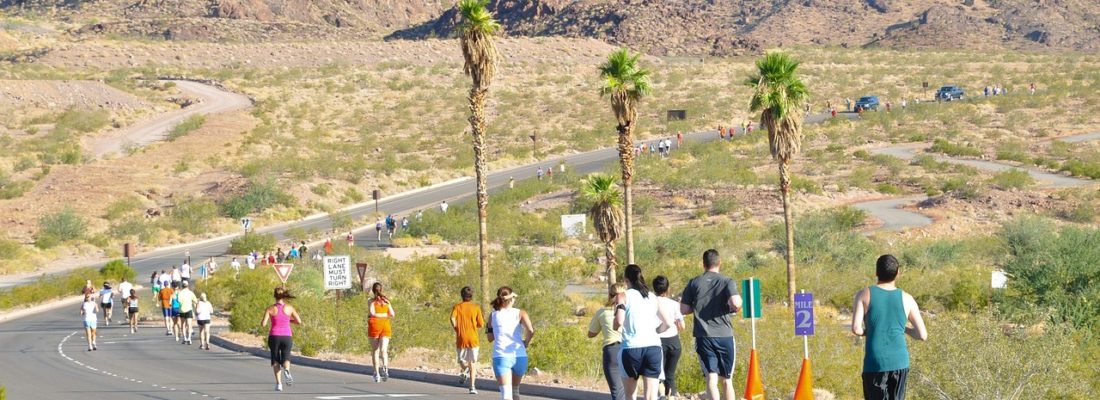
<point x="511" y="331"/>
<point x="641" y="317"/>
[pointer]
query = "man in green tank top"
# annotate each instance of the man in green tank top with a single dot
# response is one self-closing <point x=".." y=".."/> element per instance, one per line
<point x="883" y="313"/>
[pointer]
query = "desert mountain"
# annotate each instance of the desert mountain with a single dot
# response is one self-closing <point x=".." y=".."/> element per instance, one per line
<point x="672" y="27"/>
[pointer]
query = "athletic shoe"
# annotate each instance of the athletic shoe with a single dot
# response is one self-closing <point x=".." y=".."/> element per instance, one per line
<point x="278" y="387"/>
<point x="94" y="347"/>
<point x="463" y="376"/>
<point x="515" y="393"/>
<point x="385" y="374"/>
<point x="377" y="379"/>
<point x="287" y="377"/>
<point x="473" y="391"/>
<point x="168" y="333"/>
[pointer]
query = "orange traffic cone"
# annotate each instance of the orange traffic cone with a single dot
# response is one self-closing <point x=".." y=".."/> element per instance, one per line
<point x="754" y="388"/>
<point x="805" y="389"/>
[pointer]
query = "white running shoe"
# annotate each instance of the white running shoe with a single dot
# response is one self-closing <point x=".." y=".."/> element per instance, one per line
<point x="473" y="391"/>
<point x="278" y="387"/>
<point x="287" y="377"/>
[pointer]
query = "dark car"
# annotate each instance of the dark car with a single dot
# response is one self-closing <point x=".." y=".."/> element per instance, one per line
<point x="867" y="103"/>
<point x="950" y="92"/>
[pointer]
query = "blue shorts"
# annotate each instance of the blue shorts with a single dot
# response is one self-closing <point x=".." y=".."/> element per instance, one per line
<point x="642" y="361"/>
<point x="513" y="365"/>
<point x="90" y="324"/>
<point x="167" y="312"/>
<point x="716" y="355"/>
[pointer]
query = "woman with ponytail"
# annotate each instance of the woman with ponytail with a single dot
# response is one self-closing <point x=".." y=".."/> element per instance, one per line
<point x="510" y="331"/>
<point x="379" y="331"/>
<point x="641" y="317"/>
<point x="280" y="315"/>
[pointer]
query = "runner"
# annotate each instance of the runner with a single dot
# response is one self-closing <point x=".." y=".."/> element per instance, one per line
<point x="391" y="225"/>
<point x="279" y="339"/>
<point x="88" y="288"/>
<point x="132" y="310"/>
<point x="177" y="276"/>
<point x="679" y="139"/>
<point x="642" y="319"/>
<point x="378" y="229"/>
<point x="250" y="261"/>
<point x="154" y="281"/>
<point x="89" y="310"/>
<point x="185" y="272"/>
<point x="303" y="250"/>
<point x="511" y="182"/>
<point x="236" y="265"/>
<point x="550" y="173"/>
<point x="539" y="173"/>
<point x="165" y="279"/>
<point x="883" y="313"/>
<point x="510" y="331"/>
<point x="379" y="332"/>
<point x="442" y="207"/>
<point x="466" y="319"/>
<point x="177" y="329"/>
<point x="292" y="253"/>
<point x="279" y="255"/>
<point x="420" y="215"/>
<point x="603" y="323"/>
<point x="124" y="289"/>
<point x="203" y="311"/>
<point x="106" y="300"/>
<point x="328" y="246"/>
<point x="713" y="298"/>
<point x="187" y="301"/>
<point x="404" y="223"/>
<point x="670" y="339"/>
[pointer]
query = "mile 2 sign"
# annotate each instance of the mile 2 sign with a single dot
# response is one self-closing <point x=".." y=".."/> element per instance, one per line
<point x="804" y="314"/>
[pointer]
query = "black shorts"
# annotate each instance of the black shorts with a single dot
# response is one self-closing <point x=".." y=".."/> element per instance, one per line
<point x="716" y="355"/>
<point x="280" y="348"/>
<point x="187" y="315"/>
<point x="643" y="361"/>
<point x="105" y="306"/>
<point x="889" y="385"/>
<point x="133" y="310"/>
<point x="202" y="322"/>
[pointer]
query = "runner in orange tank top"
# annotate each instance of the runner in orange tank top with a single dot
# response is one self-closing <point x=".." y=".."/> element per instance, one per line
<point x="379" y="332"/>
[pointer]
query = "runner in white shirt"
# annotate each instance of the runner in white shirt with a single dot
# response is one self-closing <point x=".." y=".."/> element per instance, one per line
<point x="185" y="272"/>
<point x="88" y="311"/>
<point x="176" y="277"/>
<point x="203" y="312"/>
<point x="106" y="300"/>
<point x="124" y="290"/>
<point x="236" y="265"/>
<point x="251" y="261"/>
<point x="642" y="319"/>
<point x="670" y="339"/>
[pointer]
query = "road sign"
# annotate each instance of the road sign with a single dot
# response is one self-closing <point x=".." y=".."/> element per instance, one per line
<point x="246" y="223"/>
<point x="999" y="279"/>
<point x="337" y="272"/>
<point x="752" y="298"/>
<point x="804" y="314"/>
<point x="283" y="270"/>
<point x="362" y="268"/>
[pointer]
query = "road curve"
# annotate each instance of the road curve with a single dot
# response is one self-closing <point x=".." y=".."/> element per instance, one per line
<point x="212" y="100"/>
<point x="896" y="218"/>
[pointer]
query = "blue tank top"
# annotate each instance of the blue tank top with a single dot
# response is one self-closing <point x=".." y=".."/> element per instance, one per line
<point x="885" y="328"/>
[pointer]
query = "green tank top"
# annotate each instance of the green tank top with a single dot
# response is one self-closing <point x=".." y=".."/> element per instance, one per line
<point x="885" y="330"/>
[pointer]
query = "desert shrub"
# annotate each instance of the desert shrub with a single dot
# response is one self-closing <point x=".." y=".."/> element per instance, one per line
<point x="724" y="205"/>
<point x="1083" y="213"/>
<point x="296" y="233"/>
<point x="135" y="226"/>
<point x="341" y="220"/>
<point x="887" y="188"/>
<point x="1013" y="151"/>
<point x="185" y="127"/>
<point x="1053" y="272"/>
<point x="259" y="197"/>
<point x="252" y="241"/>
<point x="405" y="241"/>
<point x="827" y="236"/>
<point x="1079" y="167"/>
<point x="46" y="288"/>
<point x="192" y="216"/>
<point x="82" y="120"/>
<point x="122" y="207"/>
<point x="59" y="227"/>
<point x="115" y="270"/>
<point x="10" y="249"/>
<point x="960" y="187"/>
<point x="1013" y="179"/>
<point x="803" y="184"/>
<point x="943" y="146"/>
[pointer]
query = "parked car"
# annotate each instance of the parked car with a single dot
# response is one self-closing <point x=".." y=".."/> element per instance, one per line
<point x="950" y="92"/>
<point x="867" y="103"/>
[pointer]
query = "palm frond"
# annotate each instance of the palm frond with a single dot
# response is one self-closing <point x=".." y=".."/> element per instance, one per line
<point x="624" y="82"/>
<point x="478" y="50"/>
<point x="779" y="95"/>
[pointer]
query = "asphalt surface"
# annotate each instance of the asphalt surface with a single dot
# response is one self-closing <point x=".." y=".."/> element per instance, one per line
<point x="156" y="128"/>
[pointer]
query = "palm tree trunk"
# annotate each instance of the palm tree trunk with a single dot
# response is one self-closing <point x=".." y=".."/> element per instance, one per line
<point x="785" y="189"/>
<point x="609" y="252"/>
<point x="626" y="163"/>
<point x="477" y="127"/>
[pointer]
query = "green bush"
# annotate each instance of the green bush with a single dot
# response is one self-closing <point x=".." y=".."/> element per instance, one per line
<point x="185" y="127"/>
<point x="828" y="237"/>
<point x="10" y="249"/>
<point x="59" y="227"/>
<point x="122" y="207"/>
<point x="1082" y="213"/>
<point x="246" y="243"/>
<point x="1078" y="167"/>
<point x="951" y="149"/>
<point x="82" y="120"/>
<point x="10" y="189"/>
<point x="1013" y="179"/>
<point x="724" y="205"/>
<point x="1013" y="151"/>
<point x="46" y="288"/>
<point x="193" y="216"/>
<point x="115" y="270"/>
<point x="258" y="197"/>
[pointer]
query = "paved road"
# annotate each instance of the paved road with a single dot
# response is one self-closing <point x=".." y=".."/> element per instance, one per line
<point x="155" y="128"/>
<point x="45" y="357"/>
<point x="895" y="218"/>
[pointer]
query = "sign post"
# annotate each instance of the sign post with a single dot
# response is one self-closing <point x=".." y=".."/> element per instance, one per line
<point x="337" y="272"/>
<point x="246" y="224"/>
<point x="754" y="385"/>
<point x="283" y="270"/>
<point x="751" y="310"/>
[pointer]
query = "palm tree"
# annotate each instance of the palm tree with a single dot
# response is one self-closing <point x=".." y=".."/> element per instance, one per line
<point x="607" y="216"/>
<point x="626" y="84"/>
<point x="778" y="96"/>
<point x="481" y="56"/>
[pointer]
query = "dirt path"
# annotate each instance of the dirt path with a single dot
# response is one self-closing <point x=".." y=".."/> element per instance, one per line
<point x="895" y="218"/>
<point x="212" y="100"/>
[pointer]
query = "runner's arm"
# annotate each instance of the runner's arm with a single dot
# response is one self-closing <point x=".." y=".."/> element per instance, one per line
<point x="858" y="312"/>
<point x="620" y="317"/>
<point x="530" y="329"/>
<point x="267" y="317"/>
<point x="662" y="315"/>
<point x="489" y="330"/>
<point x="918" y="330"/>
<point x="735" y="303"/>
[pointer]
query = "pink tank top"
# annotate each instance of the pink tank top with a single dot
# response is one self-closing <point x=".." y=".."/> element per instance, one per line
<point x="280" y="323"/>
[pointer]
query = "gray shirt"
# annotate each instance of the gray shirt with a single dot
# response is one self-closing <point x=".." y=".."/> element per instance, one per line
<point x="708" y="295"/>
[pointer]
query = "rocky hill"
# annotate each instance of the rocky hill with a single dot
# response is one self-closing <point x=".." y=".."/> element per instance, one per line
<point x="671" y="27"/>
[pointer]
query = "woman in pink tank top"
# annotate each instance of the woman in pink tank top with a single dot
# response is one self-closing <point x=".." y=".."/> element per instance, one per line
<point x="281" y="315"/>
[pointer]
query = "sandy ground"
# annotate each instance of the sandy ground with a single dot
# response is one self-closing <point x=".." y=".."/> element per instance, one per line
<point x="59" y="95"/>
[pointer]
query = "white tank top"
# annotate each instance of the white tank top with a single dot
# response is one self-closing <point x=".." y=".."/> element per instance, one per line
<point x="89" y="311"/>
<point x="507" y="333"/>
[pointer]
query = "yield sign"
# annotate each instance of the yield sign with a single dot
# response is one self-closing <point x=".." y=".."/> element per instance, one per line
<point x="283" y="270"/>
